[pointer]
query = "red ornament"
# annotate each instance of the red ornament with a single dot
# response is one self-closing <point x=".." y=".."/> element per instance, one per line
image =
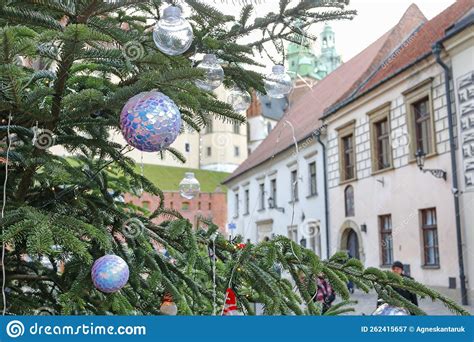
<point x="241" y="245"/>
<point x="230" y="308"/>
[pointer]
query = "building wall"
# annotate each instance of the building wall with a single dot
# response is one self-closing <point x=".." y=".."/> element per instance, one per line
<point x="258" y="129"/>
<point x="305" y="214"/>
<point x="402" y="191"/>
<point x="461" y="51"/>
<point x="228" y="147"/>
<point x="211" y="205"/>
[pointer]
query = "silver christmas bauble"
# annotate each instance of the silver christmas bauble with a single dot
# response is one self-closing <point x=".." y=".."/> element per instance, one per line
<point x="213" y="73"/>
<point x="173" y="34"/>
<point x="278" y="83"/>
<point x="189" y="187"/>
<point x="239" y="99"/>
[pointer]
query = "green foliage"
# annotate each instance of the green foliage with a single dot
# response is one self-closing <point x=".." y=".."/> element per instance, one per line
<point x="67" y="67"/>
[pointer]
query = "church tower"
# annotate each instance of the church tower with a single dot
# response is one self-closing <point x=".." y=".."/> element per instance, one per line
<point x="329" y="58"/>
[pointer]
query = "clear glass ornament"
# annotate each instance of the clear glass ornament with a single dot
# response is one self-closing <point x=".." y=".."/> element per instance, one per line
<point x="189" y="187"/>
<point x="173" y="34"/>
<point x="239" y="99"/>
<point x="278" y="83"/>
<point x="214" y="74"/>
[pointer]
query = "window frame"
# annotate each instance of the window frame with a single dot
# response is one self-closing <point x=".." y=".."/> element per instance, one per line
<point x="274" y="191"/>
<point x="261" y="195"/>
<point x="236" y="128"/>
<point x="236" y="203"/>
<point x="413" y="96"/>
<point x="344" y="132"/>
<point x="346" y="207"/>
<point x="433" y="228"/>
<point x="383" y="232"/>
<point x="236" y="151"/>
<point x="312" y="176"/>
<point x="292" y="232"/>
<point x="246" y="201"/>
<point x="376" y="116"/>
<point x="294" y="184"/>
<point x="208" y="151"/>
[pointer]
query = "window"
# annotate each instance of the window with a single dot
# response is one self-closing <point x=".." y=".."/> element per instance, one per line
<point x="236" y="205"/>
<point x="236" y="151"/>
<point x="381" y="150"/>
<point x="293" y="233"/>
<point x="171" y="205"/>
<point x="420" y="118"/>
<point x="349" y="201"/>
<point x="386" y="242"/>
<point x="429" y="229"/>
<point x="187" y="147"/>
<point x="236" y="128"/>
<point x="382" y="146"/>
<point x="209" y="151"/>
<point x="246" y="201"/>
<point x="294" y="185"/>
<point x="313" y="190"/>
<point x="209" y="206"/>
<point x="346" y="151"/>
<point x="422" y="125"/>
<point x="273" y="191"/>
<point x="261" y="198"/>
<point x="185" y="206"/>
<point x="348" y="157"/>
<point x="199" y="205"/>
<point x="209" y="127"/>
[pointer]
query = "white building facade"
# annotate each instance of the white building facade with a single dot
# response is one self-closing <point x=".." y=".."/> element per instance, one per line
<point x="382" y="206"/>
<point x="283" y="196"/>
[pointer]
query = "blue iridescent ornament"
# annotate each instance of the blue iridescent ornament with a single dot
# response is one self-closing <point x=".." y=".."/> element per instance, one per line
<point x="109" y="273"/>
<point x="150" y="121"/>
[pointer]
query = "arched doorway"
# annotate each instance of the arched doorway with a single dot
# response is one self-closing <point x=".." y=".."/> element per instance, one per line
<point x="352" y="244"/>
<point x="350" y="240"/>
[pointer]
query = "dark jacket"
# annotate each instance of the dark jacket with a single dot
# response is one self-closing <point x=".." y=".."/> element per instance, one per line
<point x="410" y="296"/>
<point x="407" y="294"/>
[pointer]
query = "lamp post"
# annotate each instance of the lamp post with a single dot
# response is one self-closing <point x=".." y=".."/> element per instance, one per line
<point x="420" y="161"/>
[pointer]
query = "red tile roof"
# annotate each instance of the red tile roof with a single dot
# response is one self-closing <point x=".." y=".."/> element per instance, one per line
<point x="412" y="50"/>
<point x="306" y="113"/>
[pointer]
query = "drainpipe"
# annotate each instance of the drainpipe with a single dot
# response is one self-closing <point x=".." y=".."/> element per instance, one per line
<point x="447" y="76"/>
<point x="326" y="199"/>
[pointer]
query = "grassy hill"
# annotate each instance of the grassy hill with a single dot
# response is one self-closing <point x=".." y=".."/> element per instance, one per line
<point x="167" y="178"/>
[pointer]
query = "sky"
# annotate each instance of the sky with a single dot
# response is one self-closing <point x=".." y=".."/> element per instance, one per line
<point x="374" y="18"/>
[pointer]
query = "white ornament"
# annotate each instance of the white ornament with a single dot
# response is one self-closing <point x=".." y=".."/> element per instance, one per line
<point x="239" y="99"/>
<point x="213" y="75"/>
<point x="278" y="83"/>
<point x="169" y="308"/>
<point x="189" y="187"/>
<point x="173" y="34"/>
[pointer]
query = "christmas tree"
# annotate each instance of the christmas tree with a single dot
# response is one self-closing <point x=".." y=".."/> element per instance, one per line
<point x="68" y="67"/>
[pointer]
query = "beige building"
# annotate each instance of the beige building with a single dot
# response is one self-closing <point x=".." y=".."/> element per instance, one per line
<point x="382" y="206"/>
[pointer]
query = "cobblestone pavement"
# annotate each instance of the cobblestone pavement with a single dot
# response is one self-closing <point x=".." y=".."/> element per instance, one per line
<point x="366" y="304"/>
